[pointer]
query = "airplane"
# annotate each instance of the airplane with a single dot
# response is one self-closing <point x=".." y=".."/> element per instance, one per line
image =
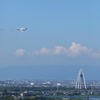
<point x="22" y="29"/>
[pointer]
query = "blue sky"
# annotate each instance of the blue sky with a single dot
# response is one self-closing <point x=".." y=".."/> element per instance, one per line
<point x="60" y="32"/>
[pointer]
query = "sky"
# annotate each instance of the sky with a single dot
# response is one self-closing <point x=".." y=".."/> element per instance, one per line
<point x="60" y="32"/>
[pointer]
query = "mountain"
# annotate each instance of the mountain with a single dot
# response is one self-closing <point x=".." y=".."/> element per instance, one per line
<point x="56" y="72"/>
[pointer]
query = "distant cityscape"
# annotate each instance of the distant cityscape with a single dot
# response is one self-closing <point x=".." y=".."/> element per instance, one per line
<point x="36" y="88"/>
<point x="45" y="83"/>
<point x="66" y="86"/>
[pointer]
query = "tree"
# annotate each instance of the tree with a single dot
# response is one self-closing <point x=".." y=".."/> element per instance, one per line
<point x="6" y="98"/>
<point x="32" y="99"/>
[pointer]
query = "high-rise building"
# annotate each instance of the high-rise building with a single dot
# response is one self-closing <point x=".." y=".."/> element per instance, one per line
<point x="80" y="83"/>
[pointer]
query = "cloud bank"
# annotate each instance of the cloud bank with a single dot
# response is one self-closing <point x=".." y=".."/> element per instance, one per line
<point x="73" y="51"/>
<point x="76" y="54"/>
<point x="96" y="54"/>
<point x="20" y="52"/>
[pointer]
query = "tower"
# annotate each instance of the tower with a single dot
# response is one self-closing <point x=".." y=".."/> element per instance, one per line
<point x="80" y="83"/>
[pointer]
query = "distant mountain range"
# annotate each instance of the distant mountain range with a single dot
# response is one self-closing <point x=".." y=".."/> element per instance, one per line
<point x="47" y="72"/>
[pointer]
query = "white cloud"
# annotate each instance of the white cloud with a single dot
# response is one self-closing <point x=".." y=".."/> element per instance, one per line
<point x="78" y="49"/>
<point x="96" y="54"/>
<point x="59" y="50"/>
<point x="20" y="52"/>
<point x="73" y="50"/>
<point x="43" y="51"/>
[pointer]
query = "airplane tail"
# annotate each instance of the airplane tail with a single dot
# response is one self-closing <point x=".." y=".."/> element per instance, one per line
<point x="25" y="28"/>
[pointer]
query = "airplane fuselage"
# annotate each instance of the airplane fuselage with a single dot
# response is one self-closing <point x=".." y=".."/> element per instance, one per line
<point x="22" y="29"/>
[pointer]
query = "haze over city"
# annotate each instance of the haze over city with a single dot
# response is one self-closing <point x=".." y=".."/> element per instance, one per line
<point x="62" y="38"/>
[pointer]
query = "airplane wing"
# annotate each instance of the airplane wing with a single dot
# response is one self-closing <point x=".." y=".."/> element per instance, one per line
<point x="22" y="28"/>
